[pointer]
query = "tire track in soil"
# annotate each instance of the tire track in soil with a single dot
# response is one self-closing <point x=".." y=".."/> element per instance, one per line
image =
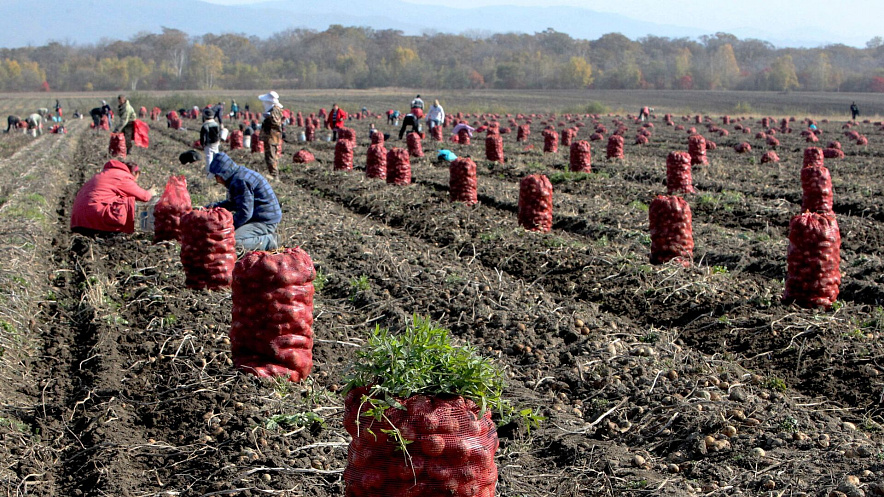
<point x="571" y="272"/>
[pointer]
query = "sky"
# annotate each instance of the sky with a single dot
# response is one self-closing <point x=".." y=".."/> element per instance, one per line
<point x="855" y="20"/>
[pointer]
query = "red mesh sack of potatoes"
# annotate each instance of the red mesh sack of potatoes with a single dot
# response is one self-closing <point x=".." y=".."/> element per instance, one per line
<point x="671" y="232"/>
<point x="303" y="156"/>
<point x="436" y="133"/>
<point x="615" y="147"/>
<point x="641" y="140"/>
<point x="816" y="183"/>
<point x="494" y="147"/>
<point x="697" y="149"/>
<point x="398" y="167"/>
<point x="535" y="203"/>
<point x="596" y="137"/>
<point x="462" y="182"/>
<point x="833" y="153"/>
<point x="568" y="135"/>
<point x="772" y="142"/>
<point x="309" y="132"/>
<point x="377" y="138"/>
<point x="257" y="144"/>
<point x="550" y="141"/>
<point x="117" y="145"/>
<point x="523" y="132"/>
<point x="463" y="137"/>
<point x="834" y="144"/>
<point x="346" y="134"/>
<point x="862" y="140"/>
<point x="742" y="148"/>
<point x="678" y="173"/>
<point x="376" y="161"/>
<point x="415" y="148"/>
<point x="770" y="156"/>
<point x="451" y="449"/>
<point x="580" y="157"/>
<point x="813" y="156"/>
<point x="141" y="134"/>
<point x="271" y="329"/>
<point x="299" y="120"/>
<point x="208" y="248"/>
<point x="235" y="140"/>
<point x="343" y="155"/>
<point x="811" y="138"/>
<point x="813" y="274"/>
<point x="173" y="203"/>
<point x="711" y="145"/>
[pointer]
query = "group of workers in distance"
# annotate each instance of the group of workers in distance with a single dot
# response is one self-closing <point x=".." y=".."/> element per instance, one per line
<point x="105" y="204"/>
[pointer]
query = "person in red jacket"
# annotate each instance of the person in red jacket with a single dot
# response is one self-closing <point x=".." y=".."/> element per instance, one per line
<point x="336" y="119"/>
<point x="106" y="203"/>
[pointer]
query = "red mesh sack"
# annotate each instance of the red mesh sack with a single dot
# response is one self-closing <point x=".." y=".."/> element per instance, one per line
<point x="377" y="138"/>
<point x="710" y="145"/>
<point x="398" y="167"/>
<point x="309" y="132"/>
<point x="462" y="182"/>
<point x="523" y="132"/>
<point x="346" y="134"/>
<point x="697" y="149"/>
<point x="117" y="145"/>
<point x="772" y="142"/>
<point x="671" y="232"/>
<point x="271" y="329"/>
<point x="343" y="155"/>
<point x="770" y="156"/>
<point x="678" y="173"/>
<point x="568" y="135"/>
<point x="463" y="137"/>
<point x="155" y="113"/>
<point x="494" y="147"/>
<point x="208" y="248"/>
<point x="299" y="120"/>
<point x="303" y="156"/>
<point x="834" y="144"/>
<point x="235" y="140"/>
<point x="596" y="137"/>
<point x="376" y="161"/>
<point x="641" y="140"/>
<point x="833" y="153"/>
<point x="535" y="203"/>
<point x="257" y="144"/>
<point x="765" y="122"/>
<point x="615" y="147"/>
<point x="813" y="156"/>
<point x="862" y="140"/>
<point x="816" y="183"/>
<point x="811" y="138"/>
<point x="141" y="137"/>
<point x="580" y="157"/>
<point x="813" y="274"/>
<point x="550" y="141"/>
<point x="451" y="454"/>
<point x="742" y="148"/>
<point x="173" y="203"/>
<point x="436" y="133"/>
<point x="415" y="148"/>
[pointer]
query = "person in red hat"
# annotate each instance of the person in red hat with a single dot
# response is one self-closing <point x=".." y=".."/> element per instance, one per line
<point x="106" y="203"/>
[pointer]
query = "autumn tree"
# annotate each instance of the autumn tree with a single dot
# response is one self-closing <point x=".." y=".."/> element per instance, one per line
<point x="206" y="64"/>
<point x="782" y="74"/>
<point x="577" y="73"/>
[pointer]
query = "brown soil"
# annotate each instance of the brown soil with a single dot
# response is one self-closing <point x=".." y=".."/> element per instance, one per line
<point x="654" y="380"/>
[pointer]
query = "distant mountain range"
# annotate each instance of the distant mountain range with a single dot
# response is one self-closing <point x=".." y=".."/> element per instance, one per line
<point x="36" y="22"/>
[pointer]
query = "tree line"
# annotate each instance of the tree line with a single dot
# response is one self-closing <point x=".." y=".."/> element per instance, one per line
<point x="358" y="57"/>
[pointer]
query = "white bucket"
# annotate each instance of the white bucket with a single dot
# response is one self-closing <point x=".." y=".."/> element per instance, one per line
<point x="224" y="133"/>
<point x="302" y="136"/>
<point x="34" y="132"/>
<point x="247" y="141"/>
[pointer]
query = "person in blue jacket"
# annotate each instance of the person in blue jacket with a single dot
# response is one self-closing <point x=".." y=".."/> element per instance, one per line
<point x="255" y="208"/>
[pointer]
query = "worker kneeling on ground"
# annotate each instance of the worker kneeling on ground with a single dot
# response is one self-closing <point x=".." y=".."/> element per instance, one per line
<point x="106" y="203"/>
<point x="250" y="197"/>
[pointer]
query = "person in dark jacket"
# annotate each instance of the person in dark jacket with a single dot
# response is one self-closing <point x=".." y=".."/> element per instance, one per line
<point x="219" y="112"/>
<point x="12" y="122"/>
<point x="256" y="210"/>
<point x="410" y="120"/>
<point x="854" y="111"/>
<point x="210" y="136"/>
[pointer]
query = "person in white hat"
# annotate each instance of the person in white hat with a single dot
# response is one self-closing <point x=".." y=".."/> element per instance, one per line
<point x="271" y="130"/>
